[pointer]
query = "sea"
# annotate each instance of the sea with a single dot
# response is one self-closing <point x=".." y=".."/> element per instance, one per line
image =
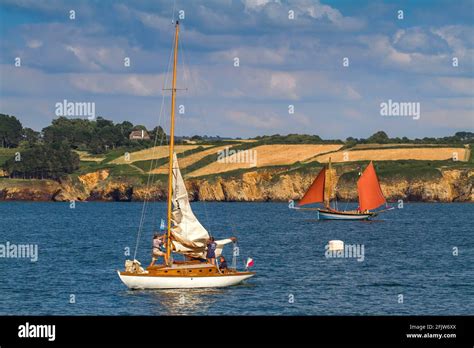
<point x="416" y="259"/>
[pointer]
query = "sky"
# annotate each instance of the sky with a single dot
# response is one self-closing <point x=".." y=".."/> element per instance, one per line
<point x="291" y="58"/>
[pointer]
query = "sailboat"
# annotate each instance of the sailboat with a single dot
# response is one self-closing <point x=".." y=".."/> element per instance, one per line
<point x="185" y="235"/>
<point x="368" y="187"/>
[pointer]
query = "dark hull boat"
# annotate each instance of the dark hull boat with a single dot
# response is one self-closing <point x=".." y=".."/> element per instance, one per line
<point x="368" y="187"/>
<point x="329" y="214"/>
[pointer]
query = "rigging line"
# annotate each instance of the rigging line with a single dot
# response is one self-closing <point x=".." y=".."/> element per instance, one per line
<point x="174" y="9"/>
<point x="164" y="141"/>
<point x="153" y="164"/>
<point x="143" y="212"/>
<point x="188" y="77"/>
<point x="181" y="120"/>
<point x="154" y="215"/>
<point x="151" y="176"/>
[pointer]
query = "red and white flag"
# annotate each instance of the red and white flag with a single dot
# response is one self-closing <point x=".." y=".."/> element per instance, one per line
<point x="249" y="263"/>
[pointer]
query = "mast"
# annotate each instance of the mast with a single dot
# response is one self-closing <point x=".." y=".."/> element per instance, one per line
<point x="327" y="198"/>
<point x="170" y="171"/>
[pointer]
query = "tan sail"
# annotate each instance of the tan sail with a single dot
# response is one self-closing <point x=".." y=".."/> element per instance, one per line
<point x="329" y="185"/>
<point x="189" y="237"/>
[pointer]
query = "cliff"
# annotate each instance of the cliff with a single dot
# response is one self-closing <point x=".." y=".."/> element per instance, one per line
<point x="453" y="185"/>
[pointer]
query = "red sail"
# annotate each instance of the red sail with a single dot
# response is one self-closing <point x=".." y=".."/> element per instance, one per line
<point x="315" y="193"/>
<point x="370" y="193"/>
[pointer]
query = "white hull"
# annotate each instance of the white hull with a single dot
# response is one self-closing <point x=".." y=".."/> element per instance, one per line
<point x="158" y="282"/>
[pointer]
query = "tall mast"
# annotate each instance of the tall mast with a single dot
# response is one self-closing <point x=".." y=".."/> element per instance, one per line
<point x="170" y="171"/>
<point x="327" y="198"/>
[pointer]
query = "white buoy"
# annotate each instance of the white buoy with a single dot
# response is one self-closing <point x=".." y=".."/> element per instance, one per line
<point x="336" y="245"/>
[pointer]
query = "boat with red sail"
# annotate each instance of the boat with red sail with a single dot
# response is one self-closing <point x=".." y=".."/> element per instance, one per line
<point x="370" y="196"/>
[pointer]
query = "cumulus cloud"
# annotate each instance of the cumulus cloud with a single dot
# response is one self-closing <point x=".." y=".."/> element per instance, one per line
<point x="259" y="121"/>
<point x="419" y="40"/>
<point x="282" y="62"/>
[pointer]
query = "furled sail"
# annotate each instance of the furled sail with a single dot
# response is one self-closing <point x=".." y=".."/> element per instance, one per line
<point x="189" y="237"/>
<point x="370" y="193"/>
<point x="315" y="193"/>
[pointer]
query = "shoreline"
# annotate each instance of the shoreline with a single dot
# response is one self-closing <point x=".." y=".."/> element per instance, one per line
<point x="269" y="185"/>
<point x="216" y="201"/>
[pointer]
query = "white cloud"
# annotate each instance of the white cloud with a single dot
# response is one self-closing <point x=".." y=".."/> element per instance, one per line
<point x="34" y="43"/>
<point x="259" y="120"/>
<point x="283" y="83"/>
<point x="419" y="40"/>
<point x="381" y="49"/>
<point x="119" y="84"/>
<point x="459" y="85"/>
<point x="256" y="4"/>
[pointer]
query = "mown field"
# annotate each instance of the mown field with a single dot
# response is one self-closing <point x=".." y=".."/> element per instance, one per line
<point x="201" y="160"/>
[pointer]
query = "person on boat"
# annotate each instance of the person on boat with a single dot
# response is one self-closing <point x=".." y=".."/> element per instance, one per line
<point x="211" y="251"/>
<point x="158" y="249"/>
<point x="223" y="263"/>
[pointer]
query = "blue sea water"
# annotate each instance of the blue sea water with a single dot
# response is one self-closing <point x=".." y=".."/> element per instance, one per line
<point x="408" y="267"/>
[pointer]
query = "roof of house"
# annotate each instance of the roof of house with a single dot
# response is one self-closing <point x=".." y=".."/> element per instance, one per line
<point x="139" y="134"/>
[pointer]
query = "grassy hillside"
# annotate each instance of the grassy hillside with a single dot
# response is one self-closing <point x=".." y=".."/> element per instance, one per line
<point x="201" y="160"/>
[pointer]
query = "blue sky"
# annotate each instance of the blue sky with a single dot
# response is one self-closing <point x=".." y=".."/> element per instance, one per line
<point x="282" y="62"/>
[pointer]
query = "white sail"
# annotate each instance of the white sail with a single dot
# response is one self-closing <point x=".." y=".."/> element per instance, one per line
<point x="189" y="236"/>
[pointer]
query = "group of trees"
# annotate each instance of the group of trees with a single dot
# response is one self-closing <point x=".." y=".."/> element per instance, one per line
<point x="96" y="136"/>
<point x="381" y="137"/>
<point x="43" y="161"/>
<point x="49" y="153"/>
<point x="294" y="139"/>
<point x="10" y="131"/>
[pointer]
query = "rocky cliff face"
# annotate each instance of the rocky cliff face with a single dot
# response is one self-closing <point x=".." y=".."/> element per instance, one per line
<point x="455" y="185"/>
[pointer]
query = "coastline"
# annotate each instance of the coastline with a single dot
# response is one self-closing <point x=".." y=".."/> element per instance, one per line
<point x="453" y="185"/>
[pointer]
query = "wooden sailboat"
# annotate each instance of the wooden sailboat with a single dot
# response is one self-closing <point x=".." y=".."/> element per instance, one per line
<point x="368" y="187"/>
<point x="185" y="235"/>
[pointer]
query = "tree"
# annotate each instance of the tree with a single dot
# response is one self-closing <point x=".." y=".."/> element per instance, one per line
<point x="78" y="133"/>
<point x="102" y="122"/>
<point x="125" y="128"/>
<point x="45" y="161"/>
<point x="30" y="136"/>
<point x="140" y="127"/>
<point x="10" y="131"/>
<point x="465" y="136"/>
<point x="158" y="133"/>
<point x="379" y="138"/>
